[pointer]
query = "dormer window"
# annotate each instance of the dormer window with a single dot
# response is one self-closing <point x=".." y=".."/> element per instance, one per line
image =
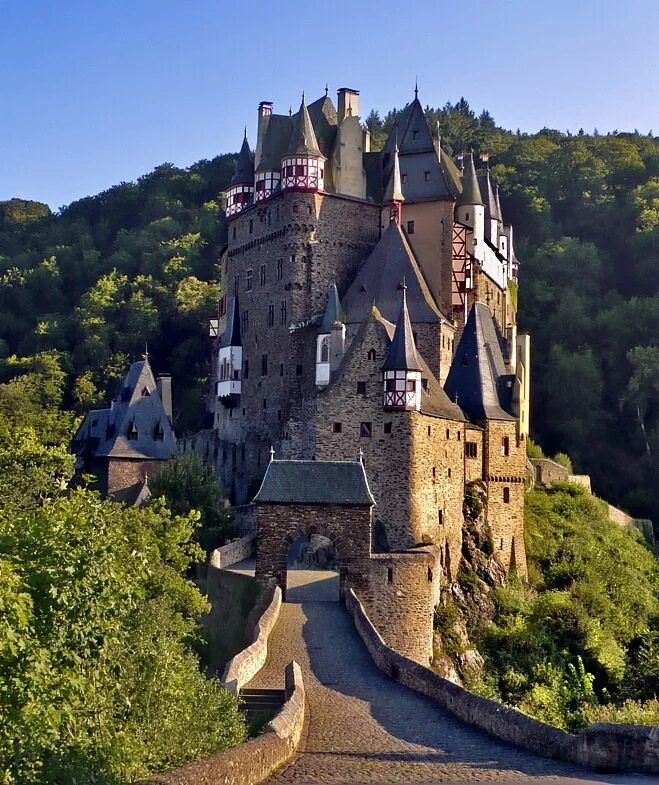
<point x="133" y="433"/>
<point x="415" y="134"/>
<point x="145" y="392"/>
<point x="426" y="177"/>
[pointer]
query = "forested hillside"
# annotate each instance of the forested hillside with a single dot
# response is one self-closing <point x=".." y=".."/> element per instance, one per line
<point x="137" y="264"/>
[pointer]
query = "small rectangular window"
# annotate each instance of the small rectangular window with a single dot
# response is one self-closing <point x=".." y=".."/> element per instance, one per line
<point x="410" y="227"/>
<point x="264" y="365"/>
<point x="298" y="370"/>
<point x="337" y="427"/>
<point x="505" y="446"/>
<point x="265" y="403"/>
<point x="236" y="283"/>
<point x="280" y="269"/>
<point x="387" y="427"/>
<point x="506" y="495"/>
<point x="234" y="233"/>
<point x="248" y="283"/>
<point x="271" y="315"/>
<point x="251" y="225"/>
<point x="365" y="430"/>
<point x="361" y="388"/>
<point x="426" y="177"/>
<point x="281" y="369"/>
<point x="245" y="321"/>
<point x="262" y="275"/>
<point x="246" y="370"/>
<point x="390" y="574"/>
<point x="471" y="449"/>
<point x="282" y="312"/>
<point x="440" y="517"/>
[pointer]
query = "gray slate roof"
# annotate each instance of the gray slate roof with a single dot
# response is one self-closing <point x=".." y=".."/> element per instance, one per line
<point x="315" y="482"/>
<point x="104" y="432"/>
<point x="303" y="137"/>
<point x="402" y="354"/>
<point x="478" y="376"/>
<point x="394" y="189"/>
<point x="379" y="282"/>
<point x="471" y="193"/>
<point x="333" y="311"/>
<point x="244" y="172"/>
<point x="492" y="210"/>
<point x="275" y="142"/>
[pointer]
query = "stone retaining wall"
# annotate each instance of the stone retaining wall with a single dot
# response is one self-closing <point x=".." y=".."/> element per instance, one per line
<point x="601" y="746"/>
<point x="255" y="760"/>
<point x="247" y="663"/>
<point x="233" y="552"/>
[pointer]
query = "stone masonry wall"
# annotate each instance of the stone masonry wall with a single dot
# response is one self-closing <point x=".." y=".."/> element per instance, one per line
<point x="282" y="258"/>
<point x="505" y="477"/>
<point x="348" y="527"/>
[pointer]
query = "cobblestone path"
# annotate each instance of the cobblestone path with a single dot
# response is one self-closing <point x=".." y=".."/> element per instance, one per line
<point x="363" y="727"/>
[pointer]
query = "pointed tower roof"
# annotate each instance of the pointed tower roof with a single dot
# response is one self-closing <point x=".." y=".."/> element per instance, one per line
<point x="498" y="202"/>
<point x="303" y="138"/>
<point x="394" y="191"/>
<point x="232" y="336"/>
<point x="333" y="311"/>
<point x="402" y="355"/>
<point x="275" y="142"/>
<point x="471" y="193"/>
<point x="379" y="278"/>
<point x="487" y="192"/>
<point x="416" y="137"/>
<point x="244" y="172"/>
<point x="478" y="377"/>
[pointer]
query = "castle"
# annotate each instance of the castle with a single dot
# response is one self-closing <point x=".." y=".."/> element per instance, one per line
<point x="367" y="319"/>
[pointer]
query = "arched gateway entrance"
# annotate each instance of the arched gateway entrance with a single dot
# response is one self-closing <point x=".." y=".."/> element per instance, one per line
<point x="312" y="570"/>
<point x="303" y="500"/>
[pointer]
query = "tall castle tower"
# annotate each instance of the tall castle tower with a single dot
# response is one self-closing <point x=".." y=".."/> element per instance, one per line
<point x="365" y="311"/>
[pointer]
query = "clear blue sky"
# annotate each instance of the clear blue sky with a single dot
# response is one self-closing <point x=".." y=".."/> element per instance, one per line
<point x="93" y="92"/>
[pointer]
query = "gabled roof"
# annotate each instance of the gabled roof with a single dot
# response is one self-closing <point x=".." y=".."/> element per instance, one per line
<point x="324" y="120"/>
<point x="478" y="379"/>
<point x="138" y="410"/>
<point x="315" y="482"/>
<point x="379" y="281"/>
<point x="402" y="354"/>
<point x="303" y="137"/>
<point x="333" y="311"/>
<point x="244" y="172"/>
<point x="275" y="142"/>
<point x="416" y="136"/>
<point x="471" y="194"/>
<point x="451" y="173"/>
<point x="232" y="335"/>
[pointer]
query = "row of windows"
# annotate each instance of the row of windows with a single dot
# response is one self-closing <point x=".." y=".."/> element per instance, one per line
<point x="426" y="177"/>
<point x="264" y="367"/>
<point x="263" y="276"/>
<point x="267" y="215"/>
<point x="283" y="316"/>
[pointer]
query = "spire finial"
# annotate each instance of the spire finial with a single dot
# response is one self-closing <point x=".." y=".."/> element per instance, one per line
<point x="303" y="96"/>
<point x="416" y="87"/>
<point x="403" y="286"/>
<point x="326" y="89"/>
<point x="272" y="453"/>
<point x="245" y="133"/>
<point x="290" y="111"/>
<point x="361" y="456"/>
<point x="146" y="350"/>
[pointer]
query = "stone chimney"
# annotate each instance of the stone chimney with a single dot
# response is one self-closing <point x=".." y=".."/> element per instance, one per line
<point x="265" y="112"/>
<point x="348" y="103"/>
<point x="164" y="384"/>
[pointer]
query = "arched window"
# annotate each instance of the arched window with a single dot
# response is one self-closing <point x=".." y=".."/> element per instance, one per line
<point x="371" y="354"/>
<point x="324" y="350"/>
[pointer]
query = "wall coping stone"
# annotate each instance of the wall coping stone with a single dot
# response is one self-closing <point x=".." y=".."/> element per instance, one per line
<point x="257" y="759"/>
<point x="602" y="746"/>
<point x="248" y="662"/>
<point x="233" y="552"/>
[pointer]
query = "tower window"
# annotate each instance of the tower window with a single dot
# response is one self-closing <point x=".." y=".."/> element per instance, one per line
<point x="459" y="436"/>
<point x="262" y="275"/>
<point x="337" y="427"/>
<point x="281" y="369"/>
<point x="365" y="430"/>
<point x="371" y="354"/>
<point x="298" y="370"/>
<point x="282" y="311"/>
<point x="133" y="433"/>
<point x="434" y="472"/>
<point x="245" y="321"/>
<point x="466" y="216"/>
<point x="145" y="392"/>
<point x="505" y="446"/>
<point x="426" y="177"/>
<point x="410" y="227"/>
<point x="448" y="433"/>
<point x="280" y="269"/>
<point x="264" y="365"/>
<point x="415" y="134"/>
<point x="440" y="517"/>
<point x="429" y="431"/>
<point x="246" y="370"/>
<point x="429" y="575"/>
<point x="449" y="473"/>
<point x="265" y="403"/>
<point x="361" y="388"/>
<point x="506" y="495"/>
<point x="234" y="232"/>
<point x="471" y="450"/>
<point x="390" y="574"/>
<point x="271" y="315"/>
<point x="500" y="543"/>
<point x="251" y="225"/>
<point x="248" y="283"/>
<point x="387" y="427"/>
<point x="279" y="414"/>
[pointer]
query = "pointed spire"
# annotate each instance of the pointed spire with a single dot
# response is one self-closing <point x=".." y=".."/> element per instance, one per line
<point x="487" y="192"/>
<point x="326" y="89"/>
<point x="402" y="355"/>
<point x="244" y="172"/>
<point x="394" y="192"/>
<point x="333" y="311"/>
<point x="303" y="139"/>
<point x="416" y="88"/>
<point x="233" y="336"/>
<point x="471" y="193"/>
<point x="498" y="203"/>
<point x="272" y="453"/>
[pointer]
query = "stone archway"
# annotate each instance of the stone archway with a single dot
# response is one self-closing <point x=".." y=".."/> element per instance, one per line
<point x="312" y="570"/>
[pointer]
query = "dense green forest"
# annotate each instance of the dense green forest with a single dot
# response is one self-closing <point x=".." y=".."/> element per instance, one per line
<point x="579" y="642"/>
<point x="136" y="264"/>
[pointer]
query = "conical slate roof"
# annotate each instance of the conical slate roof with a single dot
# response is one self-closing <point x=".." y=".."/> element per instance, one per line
<point x="378" y="283"/>
<point x="402" y="355"/>
<point x="394" y="191"/>
<point x="244" y="172"/>
<point x="232" y="336"/>
<point x="478" y="381"/>
<point x="487" y="192"/>
<point x="471" y="193"/>
<point x="333" y="312"/>
<point x="275" y="143"/>
<point x="303" y="138"/>
<point x="416" y="137"/>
